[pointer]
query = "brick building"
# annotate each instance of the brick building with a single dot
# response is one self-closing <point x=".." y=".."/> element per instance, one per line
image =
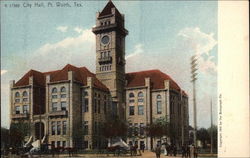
<point x="65" y="107"/>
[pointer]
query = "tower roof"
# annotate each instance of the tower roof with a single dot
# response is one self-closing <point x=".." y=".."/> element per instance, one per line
<point x="107" y="10"/>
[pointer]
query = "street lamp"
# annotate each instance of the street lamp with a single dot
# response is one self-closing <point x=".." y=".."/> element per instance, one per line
<point x="193" y="79"/>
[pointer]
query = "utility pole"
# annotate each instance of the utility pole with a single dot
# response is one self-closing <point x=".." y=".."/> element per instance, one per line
<point x="211" y="151"/>
<point x="193" y="79"/>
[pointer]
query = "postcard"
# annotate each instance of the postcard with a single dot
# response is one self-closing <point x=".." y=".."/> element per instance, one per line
<point x="124" y="78"/>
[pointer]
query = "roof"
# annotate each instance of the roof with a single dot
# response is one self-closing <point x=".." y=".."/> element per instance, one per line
<point x="136" y="79"/>
<point x="107" y="10"/>
<point x="38" y="78"/>
<point x="80" y="75"/>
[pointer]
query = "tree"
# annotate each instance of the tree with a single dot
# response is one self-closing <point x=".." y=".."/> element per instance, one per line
<point x="18" y="131"/>
<point x="114" y="127"/>
<point x="213" y="130"/>
<point x="159" y="128"/>
<point x="4" y="137"/>
<point x="203" y="136"/>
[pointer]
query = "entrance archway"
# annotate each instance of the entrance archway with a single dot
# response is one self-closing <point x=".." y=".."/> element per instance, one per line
<point x="39" y="130"/>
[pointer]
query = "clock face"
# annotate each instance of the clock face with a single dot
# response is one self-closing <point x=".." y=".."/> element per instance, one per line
<point x="105" y="39"/>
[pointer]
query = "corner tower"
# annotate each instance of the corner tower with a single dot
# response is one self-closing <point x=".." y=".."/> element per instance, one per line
<point x="110" y="54"/>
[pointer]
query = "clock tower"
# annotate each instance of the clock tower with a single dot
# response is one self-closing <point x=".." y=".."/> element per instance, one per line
<point x="110" y="54"/>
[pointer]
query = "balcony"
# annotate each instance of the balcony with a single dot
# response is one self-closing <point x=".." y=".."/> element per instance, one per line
<point x="20" y="116"/>
<point x="58" y="113"/>
<point x="105" y="60"/>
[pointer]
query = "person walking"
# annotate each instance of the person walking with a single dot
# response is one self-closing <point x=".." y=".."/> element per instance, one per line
<point x="195" y="152"/>
<point x="143" y="147"/>
<point x="192" y="151"/>
<point x="158" y="151"/>
<point x="174" y="150"/>
<point x="183" y="151"/>
<point x="188" y="151"/>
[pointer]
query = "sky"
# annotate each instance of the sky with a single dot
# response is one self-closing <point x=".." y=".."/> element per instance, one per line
<point x="162" y="35"/>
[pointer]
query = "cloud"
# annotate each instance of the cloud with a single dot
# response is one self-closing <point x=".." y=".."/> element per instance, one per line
<point x="194" y="41"/>
<point x="3" y="72"/>
<point x="207" y="65"/>
<point x="137" y="50"/>
<point x="79" y="51"/>
<point x="78" y="29"/>
<point x="62" y="28"/>
<point x="199" y="41"/>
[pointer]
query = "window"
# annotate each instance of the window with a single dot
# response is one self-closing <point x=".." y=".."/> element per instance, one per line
<point x="17" y="100"/>
<point x="53" y="144"/>
<point x="17" y="94"/>
<point x="54" y="106"/>
<point x="17" y="109"/>
<point x="25" y="94"/>
<point x="131" y="95"/>
<point x="141" y="128"/>
<point x="140" y="100"/>
<point x="64" y="143"/>
<point x="131" y="110"/>
<point x="140" y="94"/>
<point x="86" y="105"/>
<point x="58" y="127"/>
<point x="58" y="143"/>
<point x="159" y="96"/>
<point x="140" y="110"/>
<point x="130" y="129"/>
<point x="131" y="100"/>
<point x="63" y="106"/>
<point x="25" y="99"/>
<point x="64" y="127"/>
<point x="99" y="106"/>
<point x="159" y="107"/>
<point x="53" y="128"/>
<point x="136" y="129"/>
<point x="63" y="89"/>
<point x="86" y="93"/>
<point x="105" y="107"/>
<point x="85" y="144"/>
<point x="54" y="96"/>
<point x="63" y="95"/>
<point x="25" y="109"/>
<point x="85" y="128"/>
<point x="54" y="90"/>
<point x="95" y="104"/>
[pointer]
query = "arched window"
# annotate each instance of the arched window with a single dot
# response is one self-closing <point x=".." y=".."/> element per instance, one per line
<point x="25" y="94"/>
<point x="54" y="90"/>
<point x="131" y="95"/>
<point x="140" y="94"/>
<point x="158" y="96"/>
<point x="63" y="89"/>
<point x="17" y="94"/>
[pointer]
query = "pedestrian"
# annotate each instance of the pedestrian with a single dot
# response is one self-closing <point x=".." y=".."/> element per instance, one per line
<point x="142" y="147"/>
<point x="131" y="149"/>
<point x="168" y="149"/>
<point x="192" y="151"/>
<point x="175" y="150"/>
<point x="188" y="151"/>
<point x="135" y="149"/>
<point x="195" y="152"/>
<point x="158" y="151"/>
<point x="183" y="151"/>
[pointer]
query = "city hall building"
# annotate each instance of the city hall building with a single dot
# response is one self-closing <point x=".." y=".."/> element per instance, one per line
<point x="66" y="106"/>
